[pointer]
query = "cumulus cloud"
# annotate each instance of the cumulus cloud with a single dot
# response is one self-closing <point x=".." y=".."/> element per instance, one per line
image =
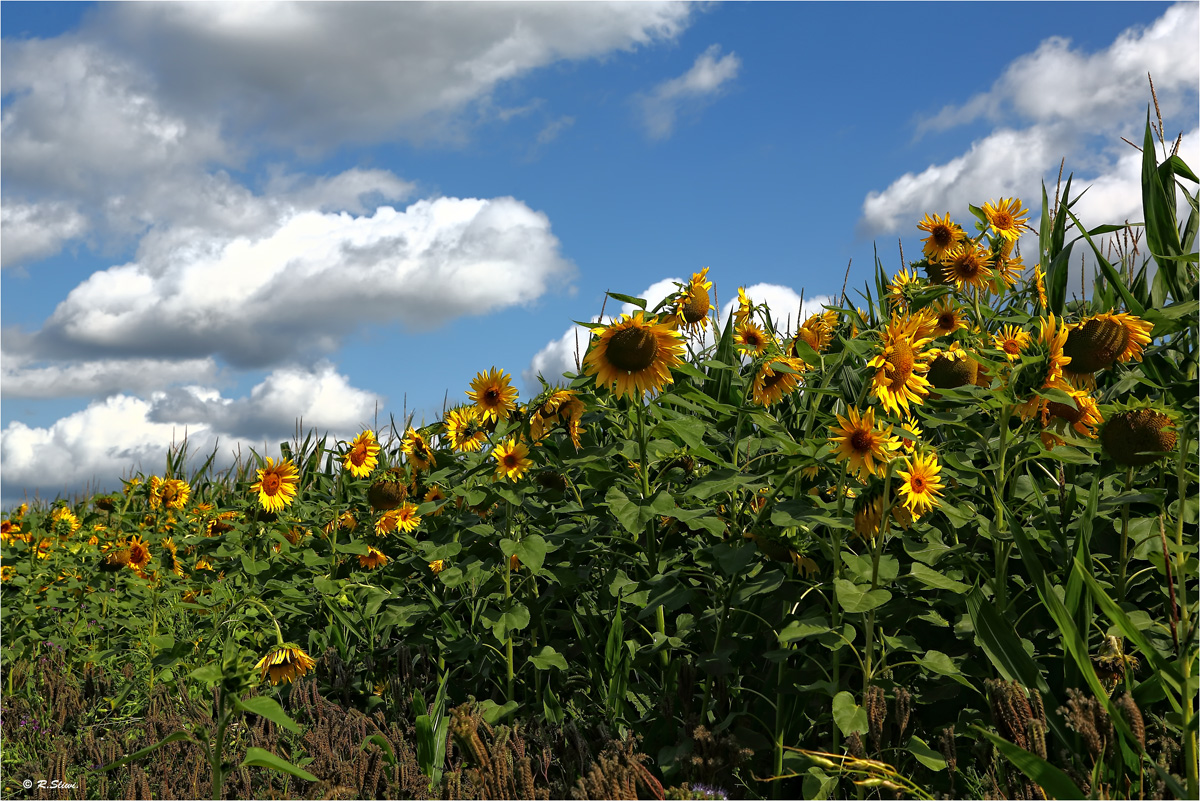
<point x="784" y="304"/>
<point x="98" y="378"/>
<point x="32" y="231"/>
<point x="304" y="283"/>
<point x="690" y="92"/>
<point x="98" y="445"/>
<point x="1071" y="100"/>
<point x="283" y="69"/>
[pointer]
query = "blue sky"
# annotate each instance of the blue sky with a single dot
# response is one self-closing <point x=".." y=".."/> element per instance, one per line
<point x="223" y="217"/>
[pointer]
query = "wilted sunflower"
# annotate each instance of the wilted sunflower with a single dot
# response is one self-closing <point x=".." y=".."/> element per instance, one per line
<point x="276" y="485"/>
<point x="1006" y="218"/>
<point x="493" y="397"/>
<point x="693" y="305"/>
<point x="750" y="338"/>
<point x="947" y="317"/>
<point x="921" y="486"/>
<point x="1083" y="417"/>
<point x="464" y="429"/>
<point x="1012" y="340"/>
<point x="417" y="449"/>
<point x="372" y="559"/>
<point x="363" y="456"/>
<point x="563" y="406"/>
<point x="512" y="460"/>
<point x="285" y="662"/>
<point x="943" y="238"/>
<point x="1103" y="340"/>
<point x="865" y="448"/>
<point x="170" y="558"/>
<point x="951" y="367"/>
<point x="967" y="266"/>
<point x="771" y="383"/>
<point x="1136" y="436"/>
<point x="636" y="354"/>
<point x="900" y="366"/>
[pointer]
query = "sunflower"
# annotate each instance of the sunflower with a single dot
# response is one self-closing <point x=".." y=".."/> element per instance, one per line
<point x="7" y="573"/>
<point x="901" y="289"/>
<point x="1039" y="283"/>
<point x="563" y="406"/>
<point x="636" y="354"/>
<point x="1006" y="218"/>
<point x="372" y="559"/>
<point x="943" y="238"/>
<point x="407" y="518"/>
<point x="750" y="338"/>
<point x="435" y="494"/>
<point x="921" y="486"/>
<point x="276" y="485"/>
<point x="1046" y="371"/>
<point x="912" y="427"/>
<point x="866" y="448"/>
<point x="63" y="522"/>
<point x="437" y="566"/>
<point x="1103" y="340"/>
<point x="204" y="564"/>
<point x="174" y="493"/>
<point x="693" y="305"/>
<point x="512" y="460"/>
<point x="900" y="366"/>
<point x="967" y="266"/>
<point x="1012" y="340"/>
<point x="742" y="313"/>
<point x="285" y="662"/>
<point x="951" y="367"/>
<point x="1137" y="436"/>
<point x="1008" y="266"/>
<point x="817" y="331"/>
<point x="947" y="317"/>
<point x="139" y="553"/>
<point x="363" y="456"/>
<point x="1083" y="417"/>
<point x="417" y="449"/>
<point x="492" y="395"/>
<point x="771" y="384"/>
<point x="465" y="430"/>
<point x="170" y="558"/>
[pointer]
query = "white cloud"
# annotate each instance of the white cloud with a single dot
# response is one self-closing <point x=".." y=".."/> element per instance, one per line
<point x="98" y="378"/>
<point x="1071" y="100"/>
<point x="123" y="433"/>
<point x="784" y="304"/>
<point x="693" y="90"/>
<point x="306" y="281"/>
<point x="33" y="231"/>
<point x="284" y="68"/>
<point x="553" y="128"/>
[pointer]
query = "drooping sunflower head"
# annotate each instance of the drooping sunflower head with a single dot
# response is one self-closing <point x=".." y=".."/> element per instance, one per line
<point x="1103" y="340"/>
<point x="952" y="367"/>
<point x="865" y="448"/>
<point x="1138" y="436"/>
<point x="1012" y="340"/>
<point x="493" y="397"/>
<point x="363" y="455"/>
<point x="693" y="305"/>
<point x="901" y="364"/>
<point x="276" y="485"/>
<point x="562" y="406"/>
<point x="742" y="313"/>
<point x="635" y="354"/>
<point x="921" y="485"/>
<point x="967" y="266"/>
<point x="1006" y="218"/>
<point x="373" y="558"/>
<point x="777" y="377"/>
<point x="512" y="460"/>
<point x="750" y="338"/>
<point x="417" y="449"/>
<point x="943" y="238"/>
<point x="285" y="663"/>
<point x="1039" y="285"/>
<point x="465" y="429"/>
<point x="170" y="557"/>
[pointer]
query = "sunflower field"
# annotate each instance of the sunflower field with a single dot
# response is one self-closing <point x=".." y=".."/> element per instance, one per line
<point x="939" y="540"/>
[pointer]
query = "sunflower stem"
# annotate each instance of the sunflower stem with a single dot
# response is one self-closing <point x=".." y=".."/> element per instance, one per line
<point x="508" y="642"/>
<point x="876" y="554"/>
<point x="1122" y="590"/>
<point x="835" y="608"/>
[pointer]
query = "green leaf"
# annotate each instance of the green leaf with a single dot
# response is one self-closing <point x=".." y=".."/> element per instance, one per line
<point x="531" y="551"/>
<point x="939" y="662"/>
<point x="268" y="708"/>
<point x="926" y="755"/>
<point x="164" y="642"/>
<point x="170" y="738"/>
<point x="551" y="706"/>
<point x="632" y="301"/>
<point x="855" y="598"/>
<point x="514" y="619"/>
<point x="799" y="629"/>
<point x="207" y="674"/>
<point x="1053" y="781"/>
<point x="378" y="739"/>
<point x="548" y="658"/>
<point x="933" y="578"/>
<point x="493" y="713"/>
<point x="258" y="758"/>
<point x="849" y="716"/>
